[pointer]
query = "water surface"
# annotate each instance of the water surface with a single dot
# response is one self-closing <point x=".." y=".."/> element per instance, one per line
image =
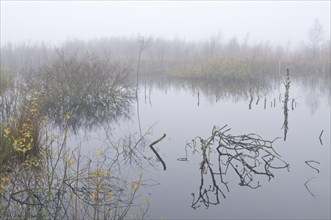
<point x="185" y="112"/>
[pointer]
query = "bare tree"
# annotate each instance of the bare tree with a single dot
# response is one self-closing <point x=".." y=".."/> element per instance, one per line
<point x="315" y="35"/>
<point x="143" y="43"/>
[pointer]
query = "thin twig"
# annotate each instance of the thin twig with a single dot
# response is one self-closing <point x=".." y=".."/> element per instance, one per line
<point x="155" y="152"/>
<point x="320" y="137"/>
<point x="185" y="158"/>
<point x="307" y="186"/>
<point x="312" y="161"/>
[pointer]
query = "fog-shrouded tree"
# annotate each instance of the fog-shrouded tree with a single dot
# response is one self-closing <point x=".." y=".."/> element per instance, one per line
<point x="143" y="43"/>
<point x="315" y="35"/>
<point x="212" y="45"/>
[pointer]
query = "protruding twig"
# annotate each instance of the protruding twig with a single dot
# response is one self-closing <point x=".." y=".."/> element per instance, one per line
<point x="320" y="137"/>
<point x="156" y="153"/>
<point x="307" y="186"/>
<point x="312" y="161"/>
<point x="184" y="158"/>
<point x="250" y="102"/>
<point x="258" y="99"/>
<point x="198" y="99"/>
<point x="265" y="102"/>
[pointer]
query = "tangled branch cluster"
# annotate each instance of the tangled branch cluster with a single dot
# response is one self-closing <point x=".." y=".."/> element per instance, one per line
<point x="246" y="156"/>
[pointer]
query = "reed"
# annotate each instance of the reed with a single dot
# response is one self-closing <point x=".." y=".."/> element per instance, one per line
<point x="20" y="134"/>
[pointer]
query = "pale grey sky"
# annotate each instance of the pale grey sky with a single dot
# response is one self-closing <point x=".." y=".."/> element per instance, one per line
<point x="57" y="21"/>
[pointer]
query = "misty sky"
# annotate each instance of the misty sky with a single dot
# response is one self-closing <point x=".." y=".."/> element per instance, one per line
<point x="57" y="21"/>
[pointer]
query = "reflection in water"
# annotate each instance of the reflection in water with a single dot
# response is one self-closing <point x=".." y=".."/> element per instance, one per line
<point x="198" y="98"/>
<point x="265" y="102"/>
<point x="236" y="90"/>
<point x="258" y="99"/>
<point x="286" y="99"/>
<point x="250" y="102"/>
<point x="86" y="115"/>
<point x="220" y="89"/>
<point x="248" y="156"/>
<point x="149" y="95"/>
<point x="143" y="44"/>
<point x="315" y="88"/>
<point x="138" y="115"/>
<point x="90" y="89"/>
<point x="293" y="104"/>
<point x="273" y="103"/>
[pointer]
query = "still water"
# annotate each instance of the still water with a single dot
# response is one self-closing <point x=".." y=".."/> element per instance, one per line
<point x="185" y="112"/>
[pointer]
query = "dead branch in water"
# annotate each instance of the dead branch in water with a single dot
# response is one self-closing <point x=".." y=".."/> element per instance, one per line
<point x="312" y="161"/>
<point x="320" y="137"/>
<point x="155" y="152"/>
<point x="248" y="156"/>
<point x="286" y="100"/>
<point x="292" y="104"/>
<point x="307" y="186"/>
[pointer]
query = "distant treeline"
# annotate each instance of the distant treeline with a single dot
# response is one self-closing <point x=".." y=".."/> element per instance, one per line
<point x="213" y="58"/>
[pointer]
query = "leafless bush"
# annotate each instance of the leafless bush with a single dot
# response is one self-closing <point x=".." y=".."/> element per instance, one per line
<point x="92" y="89"/>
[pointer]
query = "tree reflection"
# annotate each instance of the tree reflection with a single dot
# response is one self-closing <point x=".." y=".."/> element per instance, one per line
<point x="227" y="88"/>
<point x="87" y="115"/>
<point x="92" y="90"/>
<point x="244" y="156"/>
<point x="286" y="100"/>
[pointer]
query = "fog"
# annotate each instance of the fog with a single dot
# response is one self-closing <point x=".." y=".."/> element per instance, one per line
<point x="277" y="22"/>
<point x="165" y="109"/>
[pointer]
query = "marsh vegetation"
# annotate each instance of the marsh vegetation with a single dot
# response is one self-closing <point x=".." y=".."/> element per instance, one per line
<point x="73" y="146"/>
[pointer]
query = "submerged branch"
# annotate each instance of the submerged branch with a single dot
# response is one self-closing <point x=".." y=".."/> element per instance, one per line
<point x="312" y="161"/>
<point x="156" y="153"/>
<point x="320" y="137"/>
